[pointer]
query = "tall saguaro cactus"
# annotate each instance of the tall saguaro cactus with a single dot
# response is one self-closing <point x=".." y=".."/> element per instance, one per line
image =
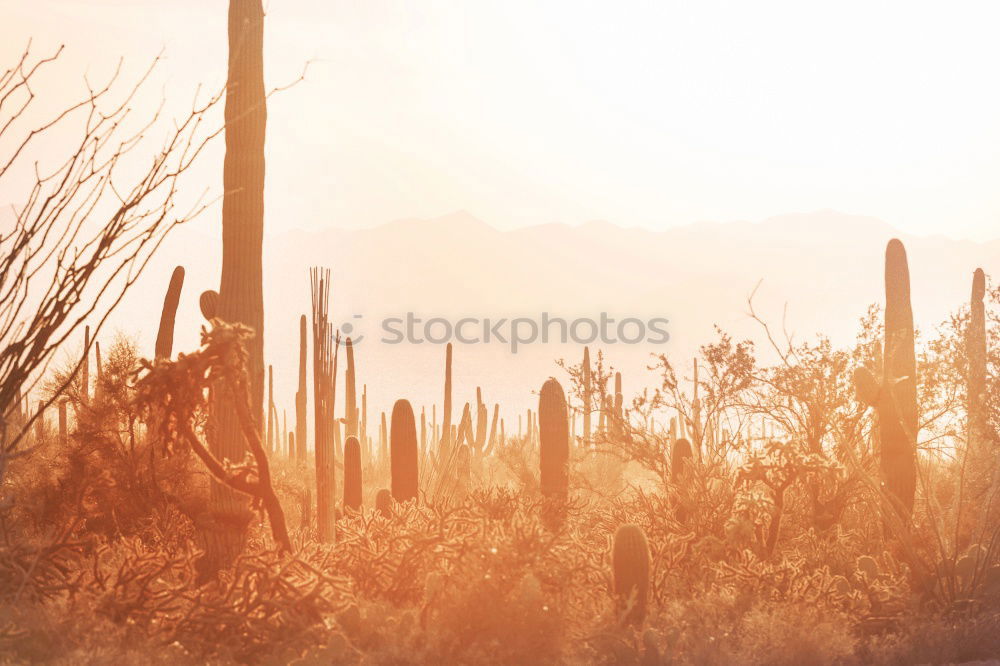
<point x="445" y="451"/>
<point x="553" y="434"/>
<point x="895" y="396"/>
<point x="241" y="298"/>
<point x="324" y="377"/>
<point x="403" y="452"/>
<point x="301" y="417"/>
<point x="168" y="315"/>
<point x="587" y="388"/>
<point x="350" y="392"/>
<point x="976" y="353"/>
<point x="899" y="460"/>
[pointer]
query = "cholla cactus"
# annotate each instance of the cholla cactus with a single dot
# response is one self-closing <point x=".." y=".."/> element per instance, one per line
<point x="630" y="559"/>
<point x="404" y="457"/>
<point x="352" y="474"/>
<point x="165" y="336"/>
<point x="553" y="440"/>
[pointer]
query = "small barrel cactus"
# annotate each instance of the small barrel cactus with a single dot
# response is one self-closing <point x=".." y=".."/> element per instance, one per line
<point x="630" y="559"/>
<point x="352" y="473"/>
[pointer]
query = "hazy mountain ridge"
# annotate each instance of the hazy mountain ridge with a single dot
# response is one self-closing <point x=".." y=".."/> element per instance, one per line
<point x="826" y="266"/>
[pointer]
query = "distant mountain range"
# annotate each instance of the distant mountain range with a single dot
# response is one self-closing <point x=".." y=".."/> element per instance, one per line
<point x="826" y="266"/>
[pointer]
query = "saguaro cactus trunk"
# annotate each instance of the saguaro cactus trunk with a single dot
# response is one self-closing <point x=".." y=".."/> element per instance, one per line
<point x="350" y="393"/>
<point x="976" y="352"/>
<point x="445" y="451"/>
<point x="899" y="457"/>
<point x="241" y="285"/>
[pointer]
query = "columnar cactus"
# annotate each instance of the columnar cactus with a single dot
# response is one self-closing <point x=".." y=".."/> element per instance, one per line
<point x="85" y="374"/>
<point x="99" y="365"/>
<point x="618" y="413"/>
<point x="446" y="416"/>
<point x="364" y="414"/>
<point x="553" y="440"/>
<point x="270" y="409"/>
<point x="481" y="415"/>
<point x="587" y="394"/>
<point x="301" y="417"/>
<point x="323" y="381"/>
<point x="423" y="431"/>
<point x="976" y="353"/>
<point x="352" y="473"/>
<point x="404" y="459"/>
<point x="383" y="440"/>
<point x="241" y="297"/>
<point x="63" y="423"/>
<point x="168" y="315"/>
<point x="465" y="427"/>
<point x="630" y="559"/>
<point x="491" y="442"/>
<point x="895" y="397"/>
<point x="350" y="393"/>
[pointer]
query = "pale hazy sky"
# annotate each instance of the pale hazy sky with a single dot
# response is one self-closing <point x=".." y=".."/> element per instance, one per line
<point x="651" y="113"/>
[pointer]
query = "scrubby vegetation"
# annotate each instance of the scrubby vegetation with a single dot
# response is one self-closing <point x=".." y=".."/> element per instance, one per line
<point x="749" y="524"/>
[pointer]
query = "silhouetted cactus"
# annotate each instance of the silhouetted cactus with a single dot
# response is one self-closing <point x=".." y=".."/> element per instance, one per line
<point x="553" y="440"/>
<point x="405" y="461"/>
<point x="85" y="372"/>
<point x="630" y="559"/>
<point x="680" y="457"/>
<point x="63" y="423"/>
<point x="168" y="315"/>
<point x="383" y="503"/>
<point x="383" y="440"/>
<point x="618" y="413"/>
<point x="587" y="389"/>
<point x="350" y="393"/>
<point x="445" y="452"/>
<point x="352" y="474"/>
<point x="976" y="353"/>
<point x="895" y="397"/>
<point x="481" y="416"/>
<point x="301" y="413"/>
